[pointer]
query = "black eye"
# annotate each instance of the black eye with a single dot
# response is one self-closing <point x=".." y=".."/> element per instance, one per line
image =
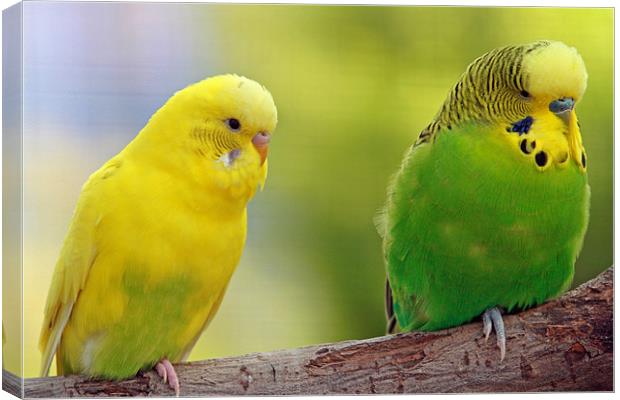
<point x="524" y="93"/>
<point x="233" y="124"/>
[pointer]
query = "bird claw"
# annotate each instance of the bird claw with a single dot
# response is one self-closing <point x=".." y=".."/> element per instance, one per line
<point x="167" y="373"/>
<point x="161" y="371"/>
<point x="487" y="325"/>
<point x="492" y="319"/>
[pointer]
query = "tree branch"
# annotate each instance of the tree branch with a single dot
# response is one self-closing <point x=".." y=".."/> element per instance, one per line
<point x="563" y="345"/>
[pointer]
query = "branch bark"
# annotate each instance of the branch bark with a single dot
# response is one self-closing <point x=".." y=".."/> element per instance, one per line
<point x="563" y="345"/>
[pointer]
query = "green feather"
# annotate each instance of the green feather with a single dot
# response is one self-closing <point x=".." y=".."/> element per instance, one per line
<point x="147" y="331"/>
<point x="469" y="225"/>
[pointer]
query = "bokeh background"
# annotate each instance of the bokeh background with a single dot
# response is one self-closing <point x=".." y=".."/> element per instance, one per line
<point x="353" y="85"/>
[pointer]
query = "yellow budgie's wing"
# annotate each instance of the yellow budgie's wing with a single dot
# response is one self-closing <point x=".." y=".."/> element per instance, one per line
<point x="76" y="257"/>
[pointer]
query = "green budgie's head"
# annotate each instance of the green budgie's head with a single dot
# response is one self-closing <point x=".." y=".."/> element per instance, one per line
<point x="509" y="83"/>
<point x="513" y="86"/>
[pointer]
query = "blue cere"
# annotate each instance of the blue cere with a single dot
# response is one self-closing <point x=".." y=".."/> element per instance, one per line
<point x="522" y="126"/>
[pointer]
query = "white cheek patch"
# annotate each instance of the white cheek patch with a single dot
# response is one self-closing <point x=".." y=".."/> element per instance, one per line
<point x="229" y="158"/>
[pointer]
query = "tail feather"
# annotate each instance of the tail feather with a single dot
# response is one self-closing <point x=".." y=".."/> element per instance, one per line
<point x="392" y="323"/>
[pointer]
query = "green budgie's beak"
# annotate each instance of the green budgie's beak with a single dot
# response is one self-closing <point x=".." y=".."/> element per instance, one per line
<point x="562" y="107"/>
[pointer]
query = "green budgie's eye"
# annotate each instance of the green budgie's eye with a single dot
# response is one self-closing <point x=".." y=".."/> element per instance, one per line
<point x="525" y="94"/>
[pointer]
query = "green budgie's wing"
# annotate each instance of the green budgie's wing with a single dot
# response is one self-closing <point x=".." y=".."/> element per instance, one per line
<point x="380" y="221"/>
<point x="390" y="223"/>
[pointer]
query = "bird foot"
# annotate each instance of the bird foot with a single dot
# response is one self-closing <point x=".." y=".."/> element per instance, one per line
<point x="167" y="373"/>
<point x="492" y="318"/>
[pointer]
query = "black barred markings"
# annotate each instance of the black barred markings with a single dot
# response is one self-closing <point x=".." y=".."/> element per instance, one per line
<point x="492" y="89"/>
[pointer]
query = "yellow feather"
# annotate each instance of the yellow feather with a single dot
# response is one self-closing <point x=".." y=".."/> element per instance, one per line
<point x="545" y="78"/>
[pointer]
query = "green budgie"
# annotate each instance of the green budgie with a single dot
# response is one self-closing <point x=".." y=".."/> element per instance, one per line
<point x="489" y="208"/>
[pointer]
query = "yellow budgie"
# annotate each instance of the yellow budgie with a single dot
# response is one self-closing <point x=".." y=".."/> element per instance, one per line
<point x="157" y="233"/>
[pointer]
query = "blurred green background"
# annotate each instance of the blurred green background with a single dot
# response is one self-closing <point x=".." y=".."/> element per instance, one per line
<point x="353" y="86"/>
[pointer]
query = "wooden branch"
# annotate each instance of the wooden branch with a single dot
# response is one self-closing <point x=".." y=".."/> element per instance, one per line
<point x="563" y="345"/>
<point x="11" y="383"/>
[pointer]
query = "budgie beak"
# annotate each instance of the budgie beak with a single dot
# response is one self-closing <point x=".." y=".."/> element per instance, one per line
<point x="261" y="144"/>
<point x="562" y="108"/>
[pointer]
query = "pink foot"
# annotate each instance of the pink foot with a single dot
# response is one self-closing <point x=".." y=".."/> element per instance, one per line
<point x="167" y="373"/>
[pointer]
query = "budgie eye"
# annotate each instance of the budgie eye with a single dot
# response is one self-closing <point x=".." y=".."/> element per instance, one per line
<point x="233" y="124"/>
<point x="525" y="94"/>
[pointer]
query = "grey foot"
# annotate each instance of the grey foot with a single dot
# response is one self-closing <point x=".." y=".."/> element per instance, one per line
<point x="492" y="318"/>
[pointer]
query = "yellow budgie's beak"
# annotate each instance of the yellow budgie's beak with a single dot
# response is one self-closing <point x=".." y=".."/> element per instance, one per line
<point x="261" y="144"/>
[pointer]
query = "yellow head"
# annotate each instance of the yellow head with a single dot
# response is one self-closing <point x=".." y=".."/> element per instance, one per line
<point x="554" y="71"/>
<point x="216" y="132"/>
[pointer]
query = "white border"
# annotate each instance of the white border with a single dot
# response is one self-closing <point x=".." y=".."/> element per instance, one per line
<point x="480" y="3"/>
